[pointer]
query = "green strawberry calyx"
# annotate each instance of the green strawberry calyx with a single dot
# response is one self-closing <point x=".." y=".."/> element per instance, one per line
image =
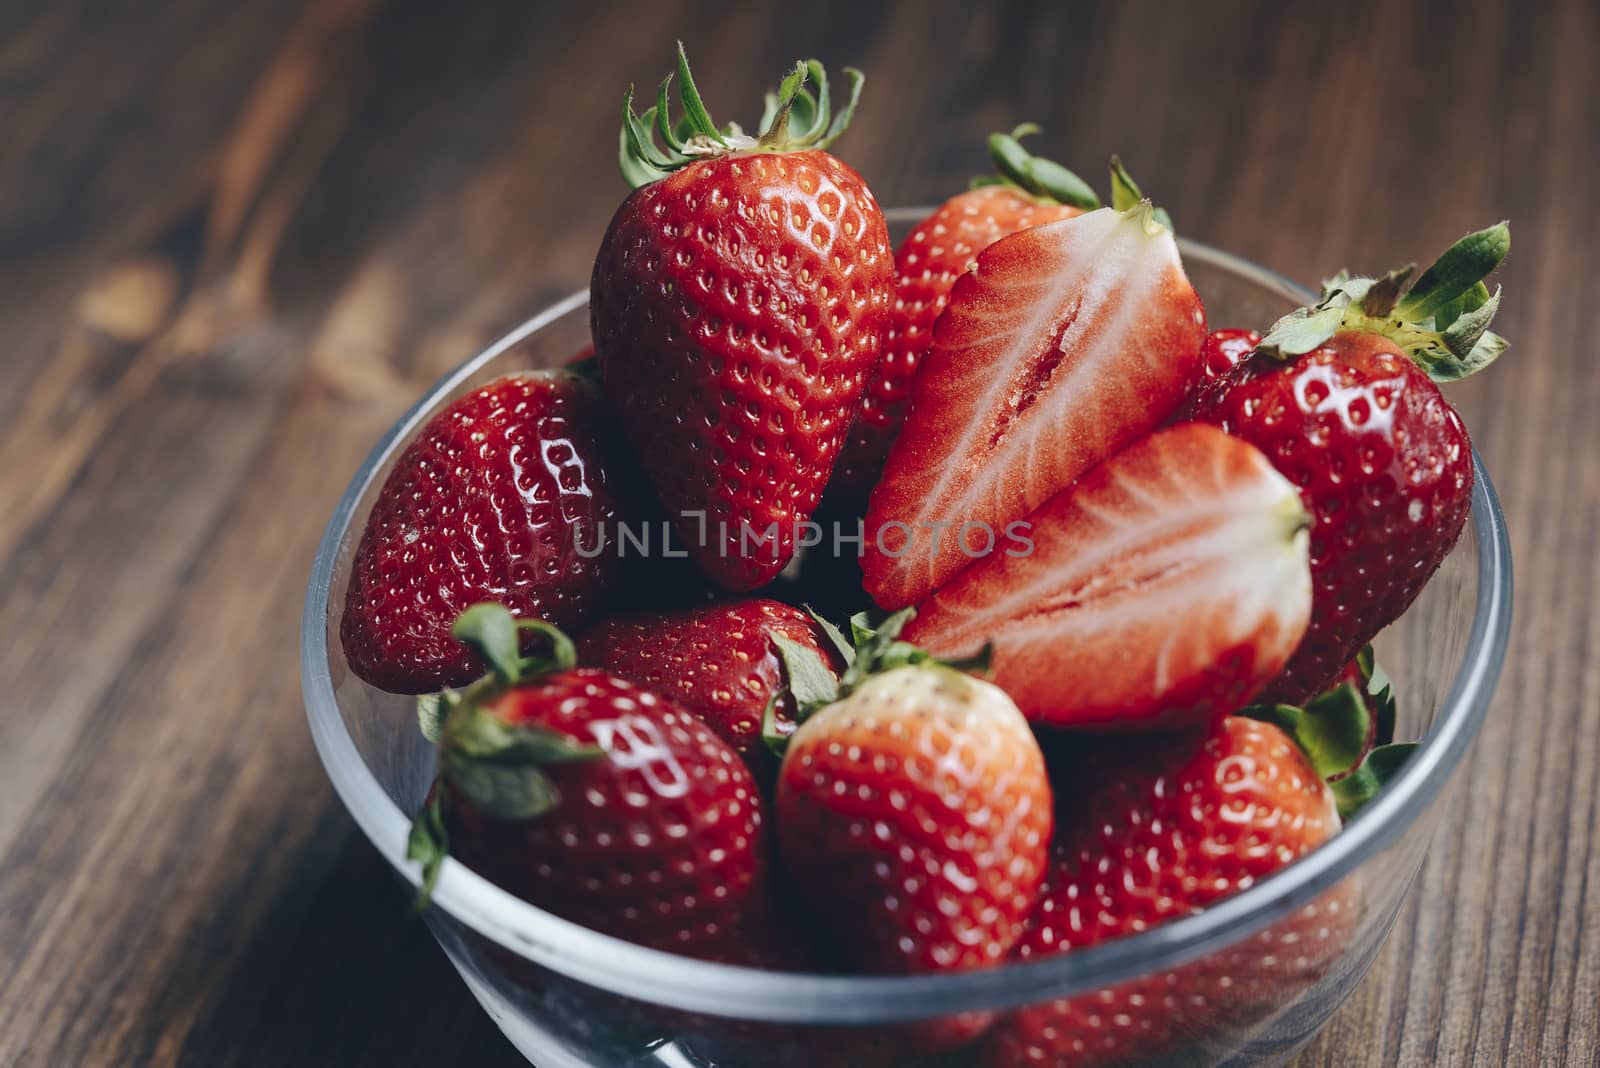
<point x="1043" y="179"/>
<point x="1331" y="729"/>
<point x="501" y="768"/>
<point x="1126" y="197"/>
<point x="799" y="116"/>
<point x="870" y="649"/>
<point x="1367" y="779"/>
<point x="1347" y="735"/>
<point x="1441" y="320"/>
<point x="1380" y="695"/>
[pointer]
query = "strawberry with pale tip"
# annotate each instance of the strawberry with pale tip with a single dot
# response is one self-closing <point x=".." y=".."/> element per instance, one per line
<point x="913" y="807"/>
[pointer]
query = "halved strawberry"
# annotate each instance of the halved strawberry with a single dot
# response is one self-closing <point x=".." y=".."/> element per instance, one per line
<point x="1164" y="589"/>
<point x="1025" y="191"/>
<point x="1067" y="342"/>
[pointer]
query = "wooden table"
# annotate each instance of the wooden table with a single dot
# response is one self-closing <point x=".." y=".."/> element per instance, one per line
<point x="237" y="239"/>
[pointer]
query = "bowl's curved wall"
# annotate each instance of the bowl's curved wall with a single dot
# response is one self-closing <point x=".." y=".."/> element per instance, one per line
<point x="540" y="976"/>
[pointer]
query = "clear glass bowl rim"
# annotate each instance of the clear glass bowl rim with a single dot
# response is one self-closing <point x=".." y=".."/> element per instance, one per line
<point x="696" y="986"/>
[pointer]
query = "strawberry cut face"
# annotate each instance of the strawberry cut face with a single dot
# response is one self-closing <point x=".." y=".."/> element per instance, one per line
<point x="1164" y="589"/>
<point x="941" y="249"/>
<point x="1065" y="343"/>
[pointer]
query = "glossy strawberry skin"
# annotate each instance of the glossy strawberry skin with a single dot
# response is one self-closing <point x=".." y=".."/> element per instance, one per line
<point x="1224" y="349"/>
<point x="1220" y="353"/>
<point x="660" y="842"/>
<point x="1207" y="1003"/>
<point x="718" y="661"/>
<point x="942" y="248"/>
<point x="1152" y="830"/>
<point x="491" y="502"/>
<point x="1384" y="465"/>
<point x="1163" y="590"/>
<point x="1068" y="342"/>
<point x="914" y="816"/>
<point x="737" y="306"/>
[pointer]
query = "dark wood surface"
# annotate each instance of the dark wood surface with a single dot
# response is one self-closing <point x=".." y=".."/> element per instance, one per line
<point x="237" y="239"/>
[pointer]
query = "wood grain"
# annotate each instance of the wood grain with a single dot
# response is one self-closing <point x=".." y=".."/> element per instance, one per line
<point x="237" y="240"/>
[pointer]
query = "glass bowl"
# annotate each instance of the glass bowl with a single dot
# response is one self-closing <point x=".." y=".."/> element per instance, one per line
<point x="570" y="997"/>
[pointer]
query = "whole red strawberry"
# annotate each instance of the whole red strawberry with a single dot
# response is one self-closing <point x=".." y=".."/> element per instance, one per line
<point x="721" y="661"/>
<point x="510" y="494"/>
<point x="1151" y="830"/>
<point x="738" y="301"/>
<point x="593" y="798"/>
<point x="914" y="812"/>
<point x="1339" y="397"/>
<point x="1026" y="192"/>
<point x="1164" y="589"/>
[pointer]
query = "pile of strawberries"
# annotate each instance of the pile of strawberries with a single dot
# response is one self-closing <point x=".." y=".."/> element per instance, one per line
<point x="1109" y="577"/>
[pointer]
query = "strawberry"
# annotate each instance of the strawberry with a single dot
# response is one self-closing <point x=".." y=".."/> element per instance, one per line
<point x="1164" y="589"/>
<point x="720" y="661"/>
<point x="738" y="301"/>
<point x="1194" y="1013"/>
<point x="1067" y="342"/>
<point x="593" y="798"/>
<point x="1151" y="830"/>
<point x="1025" y="192"/>
<point x="506" y="495"/>
<point x="913" y="809"/>
<point x="1339" y="397"/>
